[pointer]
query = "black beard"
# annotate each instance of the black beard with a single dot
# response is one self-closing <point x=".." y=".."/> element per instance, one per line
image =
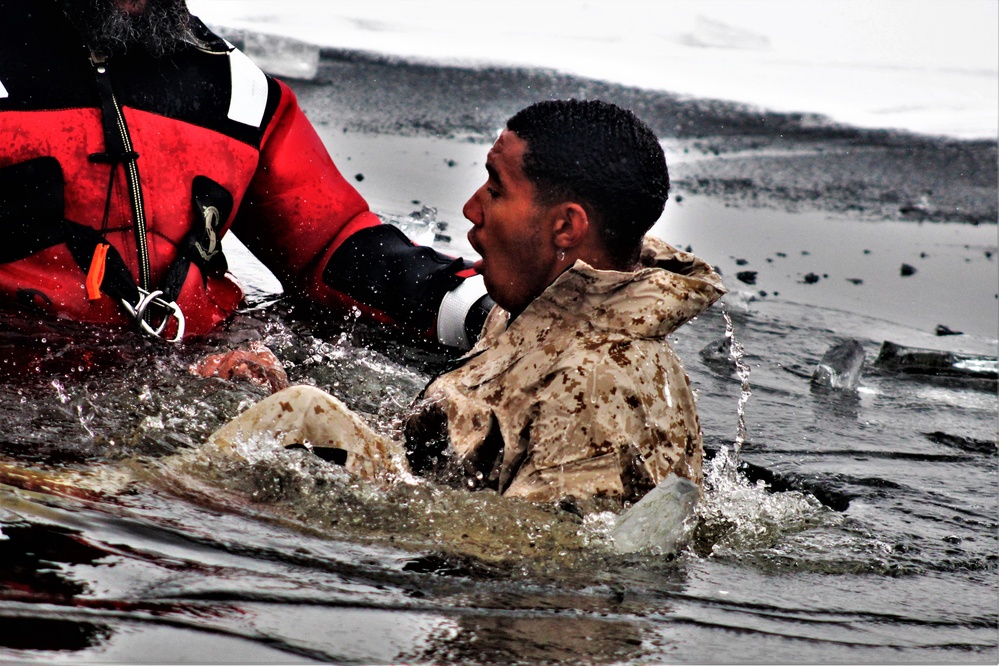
<point x="161" y="28"/>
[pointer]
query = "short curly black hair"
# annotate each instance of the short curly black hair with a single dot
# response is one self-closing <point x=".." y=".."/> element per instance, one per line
<point x="601" y="156"/>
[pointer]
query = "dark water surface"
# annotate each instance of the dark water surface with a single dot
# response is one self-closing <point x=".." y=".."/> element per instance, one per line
<point x="124" y="539"/>
<point x="132" y="543"/>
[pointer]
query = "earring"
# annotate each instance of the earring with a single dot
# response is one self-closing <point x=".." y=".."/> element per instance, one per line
<point x="561" y="255"/>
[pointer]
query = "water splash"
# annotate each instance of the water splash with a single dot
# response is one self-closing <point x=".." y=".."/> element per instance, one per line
<point x="303" y="491"/>
<point x="726" y="462"/>
<point x="60" y="390"/>
<point x="742" y="372"/>
<point x="736" y="516"/>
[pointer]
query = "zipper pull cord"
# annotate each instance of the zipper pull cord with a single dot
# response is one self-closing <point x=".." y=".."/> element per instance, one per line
<point x="114" y="150"/>
<point x="118" y="150"/>
<point x="95" y="276"/>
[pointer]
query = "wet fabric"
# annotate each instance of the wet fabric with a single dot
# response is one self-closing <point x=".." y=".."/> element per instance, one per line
<point x="581" y="394"/>
<point x="308" y="416"/>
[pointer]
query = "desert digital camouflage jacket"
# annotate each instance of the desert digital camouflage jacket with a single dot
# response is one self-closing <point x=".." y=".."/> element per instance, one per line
<point x="581" y="394"/>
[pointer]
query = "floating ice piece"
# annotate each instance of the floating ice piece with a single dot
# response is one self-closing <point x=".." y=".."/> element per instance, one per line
<point x="912" y="360"/>
<point x="718" y="354"/>
<point x="283" y="57"/>
<point x="422" y="226"/>
<point x="841" y="366"/>
<point x="738" y="300"/>
<point x="658" y="519"/>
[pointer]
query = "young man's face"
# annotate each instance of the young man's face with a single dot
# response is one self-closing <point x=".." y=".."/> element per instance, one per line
<point x="510" y="231"/>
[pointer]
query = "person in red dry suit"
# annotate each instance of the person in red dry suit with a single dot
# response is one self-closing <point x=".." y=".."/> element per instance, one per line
<point x="134" y="139"/>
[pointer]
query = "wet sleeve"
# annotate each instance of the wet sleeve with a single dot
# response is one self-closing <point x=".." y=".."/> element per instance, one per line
<point x="315" y="232"/>
<point x="417" y="286"/>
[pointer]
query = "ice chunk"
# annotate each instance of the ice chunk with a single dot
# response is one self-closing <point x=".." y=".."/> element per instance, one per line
<point x="913" y="360"/>
<point x="283" y="57"/>
<point x="840" y="366"/>
<point x="658" y="519"/>
<point x="422" y="226"/>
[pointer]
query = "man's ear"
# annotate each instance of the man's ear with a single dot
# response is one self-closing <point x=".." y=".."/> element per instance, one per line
<point x="572" y="226"/>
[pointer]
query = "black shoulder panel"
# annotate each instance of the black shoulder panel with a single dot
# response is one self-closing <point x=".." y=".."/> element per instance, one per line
<point x="43" y="65"/>
<point x="193" y="86"/>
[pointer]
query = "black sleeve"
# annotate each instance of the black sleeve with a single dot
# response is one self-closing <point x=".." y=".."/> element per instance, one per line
<point x="380" y="267"/>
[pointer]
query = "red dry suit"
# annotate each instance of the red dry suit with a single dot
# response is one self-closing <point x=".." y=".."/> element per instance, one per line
<point x="119" y="177"/>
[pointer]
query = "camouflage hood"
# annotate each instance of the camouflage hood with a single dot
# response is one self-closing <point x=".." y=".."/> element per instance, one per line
<point x="671" y="288"/>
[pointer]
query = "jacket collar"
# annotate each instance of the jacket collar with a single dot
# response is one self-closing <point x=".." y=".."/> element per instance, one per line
<point x="670" y="288"/>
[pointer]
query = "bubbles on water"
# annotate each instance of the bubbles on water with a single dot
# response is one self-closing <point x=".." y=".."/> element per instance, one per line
<point x="61" y="394"/>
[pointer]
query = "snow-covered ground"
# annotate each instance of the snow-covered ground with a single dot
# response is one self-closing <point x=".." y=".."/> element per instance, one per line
<point x="928" y="66"/>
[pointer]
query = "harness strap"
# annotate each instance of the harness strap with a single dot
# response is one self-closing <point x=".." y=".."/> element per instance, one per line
<point x="31" y="215"/>
<point x="115" y="151"/>
<point x="202" y="245"/>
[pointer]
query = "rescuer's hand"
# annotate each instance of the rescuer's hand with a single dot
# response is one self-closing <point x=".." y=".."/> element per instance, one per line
<point x="257" y="364"/>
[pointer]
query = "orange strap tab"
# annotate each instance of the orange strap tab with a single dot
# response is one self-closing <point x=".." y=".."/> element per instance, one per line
<point x="96" y="273"/>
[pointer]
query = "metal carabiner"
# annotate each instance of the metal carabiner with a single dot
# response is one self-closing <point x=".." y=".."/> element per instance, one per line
<point x="153" y="298"/>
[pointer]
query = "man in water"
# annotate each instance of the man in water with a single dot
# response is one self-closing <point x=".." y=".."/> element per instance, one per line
<point x="134" y="139"/>
<point x="572" y="388"/>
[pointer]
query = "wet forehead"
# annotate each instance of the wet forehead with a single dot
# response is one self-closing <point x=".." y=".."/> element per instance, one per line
<point x="504" y="163"/>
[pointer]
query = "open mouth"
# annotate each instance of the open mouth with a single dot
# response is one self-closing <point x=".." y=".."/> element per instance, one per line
<point x="475" y="246"/>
